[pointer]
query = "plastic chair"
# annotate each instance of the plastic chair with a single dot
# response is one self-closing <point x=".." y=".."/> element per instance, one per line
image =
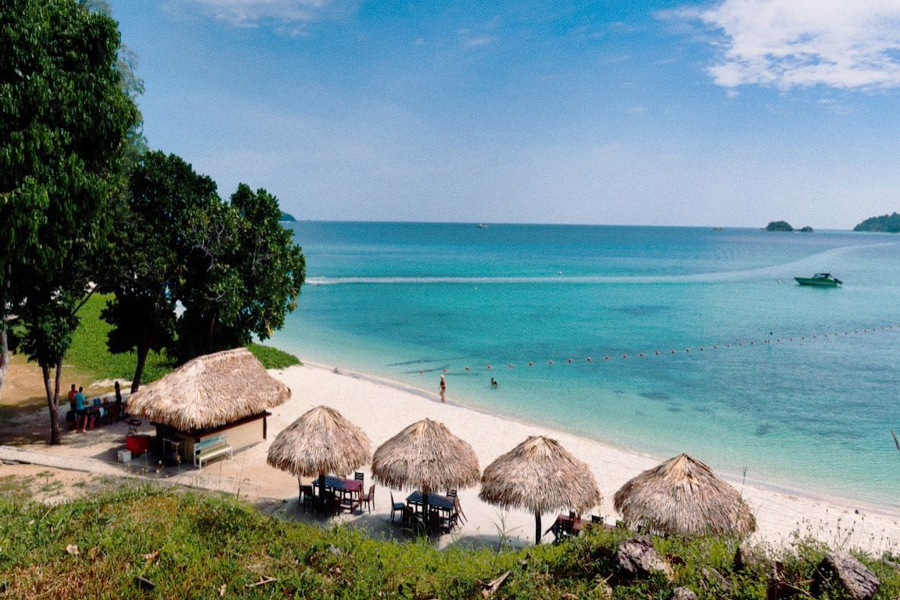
<point x="359" y="476"/>
<point x="368" y="499"/>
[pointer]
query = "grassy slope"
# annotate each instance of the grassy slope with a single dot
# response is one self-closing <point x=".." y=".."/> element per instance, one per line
<point x="89" y="354"/>
<point x="191" y="544"/>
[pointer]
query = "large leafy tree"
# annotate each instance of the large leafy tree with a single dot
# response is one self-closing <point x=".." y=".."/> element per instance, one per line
<point x="64" y="134"/>
<point x="151" y="249"/>
<point x="245" y="273"/>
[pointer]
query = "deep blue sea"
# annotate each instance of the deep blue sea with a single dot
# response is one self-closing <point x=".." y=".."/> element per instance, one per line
<point x="798" y="386"/>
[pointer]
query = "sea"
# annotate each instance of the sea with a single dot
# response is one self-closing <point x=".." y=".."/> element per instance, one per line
<point x="658" y="339"/>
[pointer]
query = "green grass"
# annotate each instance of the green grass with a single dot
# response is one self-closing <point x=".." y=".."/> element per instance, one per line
<point x="89" y="354"/>
<point x="273" y="358"/>
<point x="203" y="545"/>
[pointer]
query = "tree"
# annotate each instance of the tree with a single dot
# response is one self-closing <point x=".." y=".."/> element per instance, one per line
<point x="64" y="131"/>
<point x="149" y="263"/>
<point x="244" y="275"/>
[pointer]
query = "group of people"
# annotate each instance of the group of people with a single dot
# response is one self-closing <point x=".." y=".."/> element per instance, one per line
<point x="443" y="387"/>
<point x="85" y="414"/>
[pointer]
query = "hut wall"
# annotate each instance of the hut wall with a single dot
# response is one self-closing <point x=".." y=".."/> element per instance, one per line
<point x="243" y="433"/>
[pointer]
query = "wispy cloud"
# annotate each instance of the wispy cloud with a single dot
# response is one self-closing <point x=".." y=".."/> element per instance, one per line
<point x="477" y="42"/>
<point x="284" y="16"/>
<point x="785" y="44"/>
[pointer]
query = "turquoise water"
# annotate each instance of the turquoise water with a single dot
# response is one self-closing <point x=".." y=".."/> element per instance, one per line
<point x="406" y="301"/>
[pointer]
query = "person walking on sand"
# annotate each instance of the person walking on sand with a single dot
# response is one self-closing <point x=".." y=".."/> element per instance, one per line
<point x="443" y="389"/>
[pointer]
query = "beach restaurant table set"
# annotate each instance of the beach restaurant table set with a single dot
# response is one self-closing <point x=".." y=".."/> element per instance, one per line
<point x="443" y="511"/>
<point x="339" y="493"/>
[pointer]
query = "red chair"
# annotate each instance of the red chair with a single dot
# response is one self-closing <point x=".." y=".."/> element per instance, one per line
<point x="368" y="499"/>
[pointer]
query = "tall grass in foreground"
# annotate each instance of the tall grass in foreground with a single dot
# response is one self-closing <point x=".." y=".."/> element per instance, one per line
<point x="191" y="544"/>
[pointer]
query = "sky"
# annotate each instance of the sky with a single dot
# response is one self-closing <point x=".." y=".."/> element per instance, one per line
<point x="728" y="113"/>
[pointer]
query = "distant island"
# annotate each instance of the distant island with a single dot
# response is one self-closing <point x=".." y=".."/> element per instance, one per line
<point x="286" y="217"/>
<point x="785" y="226"/>
<point x="779" y="226"/>
<point x="884" y="224"/>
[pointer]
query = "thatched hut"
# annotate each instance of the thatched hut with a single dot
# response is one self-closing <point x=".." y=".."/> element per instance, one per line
<point x="214" y="401"/>
<point x="682" y="496"/>
<point x="321" y="441"/>
<point x="428" y="457"/>
<point x="539" y="475"/>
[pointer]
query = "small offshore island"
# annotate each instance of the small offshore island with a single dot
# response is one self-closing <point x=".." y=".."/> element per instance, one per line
<point x="785" y="226"/>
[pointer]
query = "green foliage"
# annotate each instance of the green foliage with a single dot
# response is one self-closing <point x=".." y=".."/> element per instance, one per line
<point x="64" y="135"/>
<point x="273" y="358"/>
<point x="89" y="354"/>
<point x="884" y="224"/>
<point x="244" y="274"/>
<point x="779" y="226"/>
<point x="204" y="545"/>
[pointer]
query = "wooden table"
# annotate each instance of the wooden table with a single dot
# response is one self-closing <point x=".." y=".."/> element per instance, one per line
<point x="441" y="509"/>
<point x="347" y="492"/>
<point x="566" y="525"/>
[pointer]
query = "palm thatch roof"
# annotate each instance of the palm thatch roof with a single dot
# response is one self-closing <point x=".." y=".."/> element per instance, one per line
<point x="682" y="496"/>
<point x="210" y="391"/>
<point x="425" y="456"/>
<point x="539" y="475"/>
<point x="321" y="441"/>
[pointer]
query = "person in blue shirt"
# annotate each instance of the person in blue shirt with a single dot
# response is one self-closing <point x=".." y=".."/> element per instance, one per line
<point x="79" y="410"/>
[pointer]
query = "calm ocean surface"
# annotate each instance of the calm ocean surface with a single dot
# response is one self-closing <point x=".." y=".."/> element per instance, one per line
<point x="815" y="413"/>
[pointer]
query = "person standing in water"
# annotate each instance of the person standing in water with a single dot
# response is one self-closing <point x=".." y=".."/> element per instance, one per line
<point x="443" y="389"/>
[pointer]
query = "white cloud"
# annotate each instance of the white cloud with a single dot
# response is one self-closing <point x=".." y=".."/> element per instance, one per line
<point x="845" y="44"/>
<point x="285" y="16"/>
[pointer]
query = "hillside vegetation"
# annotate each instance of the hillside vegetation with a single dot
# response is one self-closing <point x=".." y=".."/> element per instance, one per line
<point x="884" y="224"/>
<point x="197" y="545"/>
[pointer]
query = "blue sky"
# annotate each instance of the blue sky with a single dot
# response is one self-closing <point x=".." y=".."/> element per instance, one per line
<point x="729" y="113"/>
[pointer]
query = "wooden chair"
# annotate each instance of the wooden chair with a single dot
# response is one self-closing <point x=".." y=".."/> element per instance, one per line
<point x="458" y="511"/>
<point x="397" y="506"/>
<point x="451" y="493"/>
<point x="368" y="499"/>
<point x="359" y="476"/>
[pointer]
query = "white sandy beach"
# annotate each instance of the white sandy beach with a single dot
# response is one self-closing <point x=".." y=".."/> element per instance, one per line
<point x="383" y="408"/>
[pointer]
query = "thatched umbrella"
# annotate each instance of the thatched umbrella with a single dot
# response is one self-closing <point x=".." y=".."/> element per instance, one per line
<point x="683" y="496"/>
<point x="321" y="441"/>
<point x="210" y="391"/>
<point x="539" y="475"/>
<point x="425" y="456"/>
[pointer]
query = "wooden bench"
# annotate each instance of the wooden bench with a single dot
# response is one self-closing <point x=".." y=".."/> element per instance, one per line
<point x="210" y="448"/>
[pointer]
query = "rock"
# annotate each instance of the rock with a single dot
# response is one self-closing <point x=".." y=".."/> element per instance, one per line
<point x="603" y="589"/>
<point x="722" y="584"/>
<point x="748" y="558"/>
<point x="682" y="593"/>
<point x="638" y="557"/>
<point x="847" y="572"/>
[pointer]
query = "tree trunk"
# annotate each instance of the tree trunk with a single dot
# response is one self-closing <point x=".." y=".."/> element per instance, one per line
<point x="53" y="400"/>
<point x="4" y="352"/>
<point x="5" y="283"/>
<point x="142" y="351"/>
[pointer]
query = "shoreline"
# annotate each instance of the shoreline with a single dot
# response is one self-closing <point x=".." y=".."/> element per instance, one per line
<point x="736" y="480"/>
<point x="382" y="407"/>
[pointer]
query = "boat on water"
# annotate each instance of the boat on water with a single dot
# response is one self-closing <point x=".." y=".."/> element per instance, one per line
<point x="820" y="280"/>
<point x="482" y="226"/>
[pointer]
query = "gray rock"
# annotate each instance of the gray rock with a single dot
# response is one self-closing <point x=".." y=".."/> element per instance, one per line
<point x="845" y="571"/>
<point x="638" y="557"/>
<point x="682" y="593"/>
